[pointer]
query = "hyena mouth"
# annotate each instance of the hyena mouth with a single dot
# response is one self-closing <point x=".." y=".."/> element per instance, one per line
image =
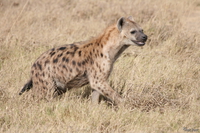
<point x="139" y="43"/>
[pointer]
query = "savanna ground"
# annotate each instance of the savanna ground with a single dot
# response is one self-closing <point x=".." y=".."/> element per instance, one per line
<point x="160" y="82"/>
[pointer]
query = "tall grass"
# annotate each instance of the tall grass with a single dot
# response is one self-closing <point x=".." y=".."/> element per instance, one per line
<point x="160" y="82"/>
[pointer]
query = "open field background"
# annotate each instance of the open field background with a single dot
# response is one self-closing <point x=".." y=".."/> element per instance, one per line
<point x="160" y="81"/>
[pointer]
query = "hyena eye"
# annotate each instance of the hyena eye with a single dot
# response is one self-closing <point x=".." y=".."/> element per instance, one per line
<point x="133" y="32"/>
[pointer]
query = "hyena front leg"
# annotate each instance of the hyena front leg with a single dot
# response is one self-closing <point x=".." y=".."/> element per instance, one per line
<point x="103" y="88"/>
<point x="95" y="97"/>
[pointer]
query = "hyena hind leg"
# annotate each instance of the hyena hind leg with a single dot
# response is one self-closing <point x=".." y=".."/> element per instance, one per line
<point x="58" y="92"/>
<point x="60" y="88"/>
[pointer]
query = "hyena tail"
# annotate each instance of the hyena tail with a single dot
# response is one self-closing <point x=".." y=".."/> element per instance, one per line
<point x="27" y="87"/>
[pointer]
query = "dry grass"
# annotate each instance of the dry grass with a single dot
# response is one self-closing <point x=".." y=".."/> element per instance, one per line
<point x="160" y="81"/>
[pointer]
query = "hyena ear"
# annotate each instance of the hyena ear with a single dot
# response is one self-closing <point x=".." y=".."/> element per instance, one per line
<point x="131" y="18"/>
<point x="120" y="23"/>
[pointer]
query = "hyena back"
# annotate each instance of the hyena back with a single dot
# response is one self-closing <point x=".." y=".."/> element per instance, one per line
<point x="90" y="62"/>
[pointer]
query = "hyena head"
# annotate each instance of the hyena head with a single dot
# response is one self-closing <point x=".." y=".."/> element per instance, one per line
<point x="131" y="33"/>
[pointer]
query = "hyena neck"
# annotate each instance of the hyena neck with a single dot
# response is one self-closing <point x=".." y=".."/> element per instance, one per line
<point x="111" y="40"/>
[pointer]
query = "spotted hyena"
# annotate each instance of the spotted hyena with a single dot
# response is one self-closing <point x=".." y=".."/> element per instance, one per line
<point x="89" y="62"/>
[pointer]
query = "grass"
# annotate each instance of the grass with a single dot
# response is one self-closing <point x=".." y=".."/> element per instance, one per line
<point x="160" y="81"/>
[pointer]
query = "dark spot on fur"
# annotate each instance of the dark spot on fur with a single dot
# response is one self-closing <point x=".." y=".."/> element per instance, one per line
<point x="83" y="62"/>
<point x="86" y="60"/>
<point x="71" y="53"/>
<point x="75" y="48"/>
<point x="52" y="53"/>
<point x="70" y="70"/>
<point x="67" y="60"/>
<point x="43" y="74"/>
<point x="52" y="49"/>
<point x="97" y="64"/>
<point x="106" y="94"/>
<point x="84" y="75"/>
<point x="79" y="53"/>
<point x="79" y="64"/>
<point x="60" y="55"/>
<point x="101" y="55"/>
<point x="43" y="57"/>
<point x="63" y="59"/>
<point x="55" y="60"/>
<point x="34" y="65"/>
<point x="90" y="53"/>
<point x="40" y="80"/>
<point x="62" y="48"/>
<point x="87" y="45"/>
<point x="95" y="73"/>
<point x="39" y="66"/>
<point x="74" y="62"/>
<point x="64" y="66"/>
<point x="91" y="62"/>
<point x="32" y="72"/>
<point x="36" y="75"/>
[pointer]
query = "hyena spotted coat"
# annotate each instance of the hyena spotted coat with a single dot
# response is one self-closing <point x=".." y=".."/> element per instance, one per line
<point x="90" y="62"/>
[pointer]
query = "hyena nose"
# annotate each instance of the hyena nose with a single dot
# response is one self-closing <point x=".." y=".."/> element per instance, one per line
<point x="144" y="38"/>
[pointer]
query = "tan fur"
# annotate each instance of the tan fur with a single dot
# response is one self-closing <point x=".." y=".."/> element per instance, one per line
<point x="75" y="65"/>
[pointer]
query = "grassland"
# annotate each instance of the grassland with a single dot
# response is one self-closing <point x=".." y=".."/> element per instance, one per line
<point x="160" y="81"/>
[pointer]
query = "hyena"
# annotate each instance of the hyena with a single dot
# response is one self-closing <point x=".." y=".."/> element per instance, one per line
<point x="89" y="62"/>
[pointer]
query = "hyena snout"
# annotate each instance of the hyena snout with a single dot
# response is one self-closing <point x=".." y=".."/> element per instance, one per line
<point x="142" y="38"/>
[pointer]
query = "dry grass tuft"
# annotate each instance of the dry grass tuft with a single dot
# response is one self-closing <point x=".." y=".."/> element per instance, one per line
<point x="160" y="81"/>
